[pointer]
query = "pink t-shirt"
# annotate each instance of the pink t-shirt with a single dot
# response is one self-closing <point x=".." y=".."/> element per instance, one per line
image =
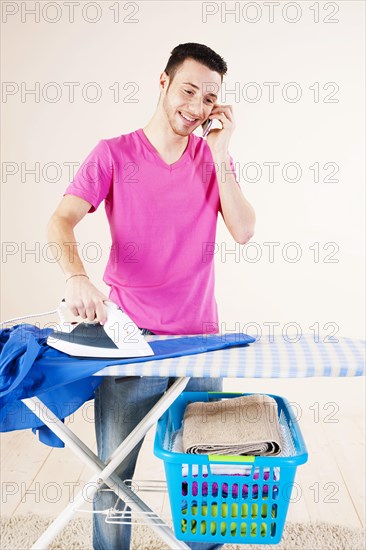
<point x="163" y="226"/>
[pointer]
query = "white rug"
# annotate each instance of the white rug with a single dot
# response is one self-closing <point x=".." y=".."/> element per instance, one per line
<point x="19" y="533"/>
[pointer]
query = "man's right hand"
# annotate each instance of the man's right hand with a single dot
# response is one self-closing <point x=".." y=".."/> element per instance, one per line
<point x="84" y="299"/>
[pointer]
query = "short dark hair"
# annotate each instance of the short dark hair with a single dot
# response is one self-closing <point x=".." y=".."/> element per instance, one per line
<point x="199" y="52"/>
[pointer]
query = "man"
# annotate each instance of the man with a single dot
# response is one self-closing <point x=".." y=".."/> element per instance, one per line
<point x="163" y="187"/>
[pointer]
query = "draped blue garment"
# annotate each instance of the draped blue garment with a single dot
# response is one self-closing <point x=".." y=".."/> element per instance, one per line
<point x="30" y="367"/>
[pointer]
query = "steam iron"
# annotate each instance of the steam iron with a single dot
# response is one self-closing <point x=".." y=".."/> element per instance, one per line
<point x="118" y="338"/>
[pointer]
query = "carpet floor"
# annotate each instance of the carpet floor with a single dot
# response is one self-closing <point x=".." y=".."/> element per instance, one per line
<point x="20" y="532"/>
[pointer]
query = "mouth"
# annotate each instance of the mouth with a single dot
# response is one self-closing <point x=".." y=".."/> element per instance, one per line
<point x="189" y="121"/>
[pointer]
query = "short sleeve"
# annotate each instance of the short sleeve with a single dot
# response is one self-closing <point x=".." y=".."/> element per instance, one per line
<point x="93" y="178"/>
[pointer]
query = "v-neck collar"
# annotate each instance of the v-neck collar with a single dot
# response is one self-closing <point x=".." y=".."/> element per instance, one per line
<point x="182" y="160"/>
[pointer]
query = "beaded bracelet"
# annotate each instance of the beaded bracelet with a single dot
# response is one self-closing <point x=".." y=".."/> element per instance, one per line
<point x="77" y="275"/>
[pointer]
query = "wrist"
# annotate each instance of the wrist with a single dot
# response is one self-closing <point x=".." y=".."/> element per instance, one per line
<point x="76" y="275"/>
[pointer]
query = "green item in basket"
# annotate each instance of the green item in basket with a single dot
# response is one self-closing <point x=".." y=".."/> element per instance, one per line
<point x="222" y="525"/>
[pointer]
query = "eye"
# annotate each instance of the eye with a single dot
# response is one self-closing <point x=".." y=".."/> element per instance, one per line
<point x="188" y="91"/>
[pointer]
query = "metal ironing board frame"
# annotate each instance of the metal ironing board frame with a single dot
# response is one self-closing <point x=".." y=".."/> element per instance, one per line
<point x="105" y="471"/>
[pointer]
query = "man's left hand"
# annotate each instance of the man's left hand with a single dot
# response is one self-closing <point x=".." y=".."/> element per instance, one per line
<point x="218" y="140"/>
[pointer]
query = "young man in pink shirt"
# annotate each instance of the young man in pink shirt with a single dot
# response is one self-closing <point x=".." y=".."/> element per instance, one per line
<point x="163" y="187"/>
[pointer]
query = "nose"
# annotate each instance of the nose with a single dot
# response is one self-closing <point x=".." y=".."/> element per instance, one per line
<point x="196" y="108"/>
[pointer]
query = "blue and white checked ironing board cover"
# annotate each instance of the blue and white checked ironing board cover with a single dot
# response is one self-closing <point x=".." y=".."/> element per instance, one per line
<point x="266" y="358"/>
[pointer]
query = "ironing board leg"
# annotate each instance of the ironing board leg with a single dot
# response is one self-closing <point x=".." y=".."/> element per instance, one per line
<point x="105" y="471"/>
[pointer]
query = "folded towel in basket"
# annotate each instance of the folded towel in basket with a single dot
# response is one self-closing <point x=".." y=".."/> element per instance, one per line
<point x="246" y="425"/>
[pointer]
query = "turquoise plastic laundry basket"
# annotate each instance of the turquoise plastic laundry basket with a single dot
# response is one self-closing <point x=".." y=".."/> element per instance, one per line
<point x="229" y="499"/>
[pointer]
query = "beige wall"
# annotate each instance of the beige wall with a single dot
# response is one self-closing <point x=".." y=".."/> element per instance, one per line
<point x="306" y="132"/>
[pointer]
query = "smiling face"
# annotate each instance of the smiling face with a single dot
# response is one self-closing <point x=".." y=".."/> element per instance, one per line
<point x="190" y="97"/>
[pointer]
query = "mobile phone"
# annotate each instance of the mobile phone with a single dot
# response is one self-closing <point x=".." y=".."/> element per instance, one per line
<point x="206" y="126"/>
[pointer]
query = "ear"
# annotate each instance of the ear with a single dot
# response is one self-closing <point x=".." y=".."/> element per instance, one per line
<point x="163" y="81"/>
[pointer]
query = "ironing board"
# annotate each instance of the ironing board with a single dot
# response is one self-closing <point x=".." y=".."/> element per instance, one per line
<point x="277" y="357"/>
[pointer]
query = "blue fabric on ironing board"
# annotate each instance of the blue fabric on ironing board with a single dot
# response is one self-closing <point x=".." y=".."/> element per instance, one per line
<point x="30" y="367"/>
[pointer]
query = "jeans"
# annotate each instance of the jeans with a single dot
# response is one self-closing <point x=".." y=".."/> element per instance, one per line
<point x="120" y="404"/>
